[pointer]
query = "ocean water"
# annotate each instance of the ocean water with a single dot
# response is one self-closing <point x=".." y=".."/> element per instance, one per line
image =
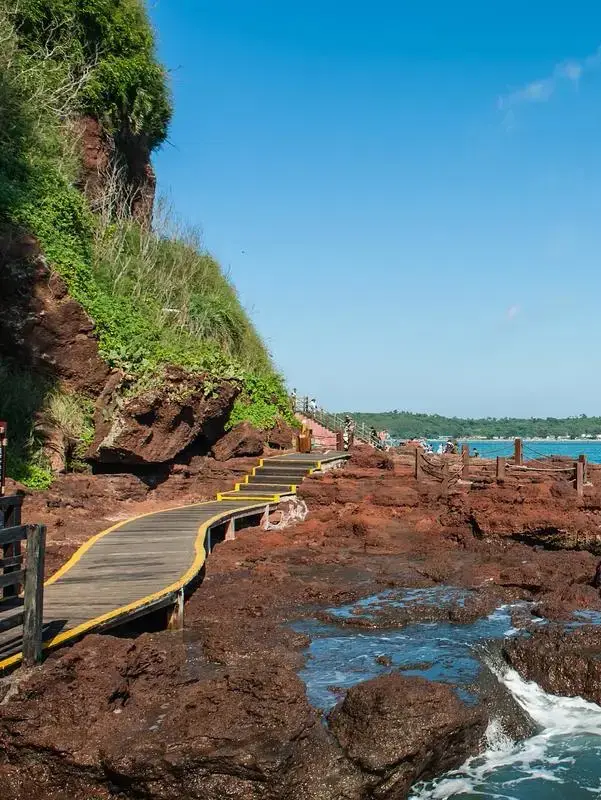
<point x="533" y="448"/>
<point x="562" y="761"/>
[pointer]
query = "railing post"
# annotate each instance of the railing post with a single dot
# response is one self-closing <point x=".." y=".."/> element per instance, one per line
<point x="445" y="478"/>
<point x="501" y="468"/>
<point x="579" y="478"/>
<point x="518" y="455"/>
<point x="3" y="443"/>
<point x="12" y="519"/>
<point x="465" y="457"/>
<point x="33" y="611"/>
<point x="582" y="459"/>
<point x="419" y="472"/>
<point x="175" y="616"/>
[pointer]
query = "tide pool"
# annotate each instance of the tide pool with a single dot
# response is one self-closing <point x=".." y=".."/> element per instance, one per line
<point x="561" y="762"/>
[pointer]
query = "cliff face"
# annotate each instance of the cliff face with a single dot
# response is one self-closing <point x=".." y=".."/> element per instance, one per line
<point x="45" y="328"/>
<point x="100" y="158"/>
<point x="91" y="287"/>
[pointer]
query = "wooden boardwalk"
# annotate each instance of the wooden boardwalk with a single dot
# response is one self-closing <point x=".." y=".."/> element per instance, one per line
<point x="146" y="563"/>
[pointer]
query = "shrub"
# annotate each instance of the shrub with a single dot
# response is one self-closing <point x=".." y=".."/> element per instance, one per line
<point x="157" y="296"/>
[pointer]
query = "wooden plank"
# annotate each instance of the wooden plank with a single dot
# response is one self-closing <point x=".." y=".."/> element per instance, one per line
<point x="10" y="535"/>
<point x="13" y="561"/>
<point x="12" y="578"/>
<point x="34" y="595"/>
<point x="7" y="623"/>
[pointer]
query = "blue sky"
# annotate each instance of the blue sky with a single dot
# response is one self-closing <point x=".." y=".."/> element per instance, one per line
<point x="406" y="195"/>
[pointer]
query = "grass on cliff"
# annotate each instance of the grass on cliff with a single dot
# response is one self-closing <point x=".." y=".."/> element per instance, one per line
<point x="156" y="296"/>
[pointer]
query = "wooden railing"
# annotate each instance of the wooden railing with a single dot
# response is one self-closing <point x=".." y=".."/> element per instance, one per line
<point x="21" y="577"/>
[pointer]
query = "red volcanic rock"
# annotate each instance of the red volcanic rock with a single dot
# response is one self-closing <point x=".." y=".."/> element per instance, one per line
<point x="243" y="440"/>
<point x="405" y="729"/>
<point x="157" y="425"/>
<point x="281" y="436"/>
<point x="367" y="457"/>
<point x="41" y="322"/>
<point x="395" y="496"/>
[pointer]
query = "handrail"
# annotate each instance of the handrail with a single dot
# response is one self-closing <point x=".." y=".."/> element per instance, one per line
<point x="14" y="574"/>
<point x="333" y="422"/>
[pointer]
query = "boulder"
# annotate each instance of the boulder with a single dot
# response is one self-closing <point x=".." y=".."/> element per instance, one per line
<point x="243" y="440"/>
<point x="155" y="426"/>
<point x="561" y="662"/>
<point x="403" y="729"/>
<point x="281" y="436"/>
<point x="369" y="458"/>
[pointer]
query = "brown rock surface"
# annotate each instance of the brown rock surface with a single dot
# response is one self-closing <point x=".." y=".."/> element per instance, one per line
<point x="405" y="729"/>
<point x="157" y="425"/>
<point x="40" y="322"/>
<point x="563" y="663"/>
<point x="282" y="436"/>
<point x="218" y="711"/>
<point x="243" y="440"/>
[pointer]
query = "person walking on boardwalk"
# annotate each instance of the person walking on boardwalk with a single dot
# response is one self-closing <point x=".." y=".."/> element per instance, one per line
<point x="293" y="399"/>
<point x="348" y="432"/>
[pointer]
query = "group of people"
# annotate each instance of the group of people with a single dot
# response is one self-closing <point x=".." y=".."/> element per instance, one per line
<point x="444" y="448"/>
<point x="306" y="405"/>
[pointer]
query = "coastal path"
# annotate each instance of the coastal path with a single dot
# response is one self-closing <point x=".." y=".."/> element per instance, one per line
<point x="150" y="562"/>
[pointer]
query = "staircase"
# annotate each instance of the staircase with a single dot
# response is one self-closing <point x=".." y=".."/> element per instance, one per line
<point x="277" y="477"/>
<point x="322" y="438"/>
<point x="325" y="425"/>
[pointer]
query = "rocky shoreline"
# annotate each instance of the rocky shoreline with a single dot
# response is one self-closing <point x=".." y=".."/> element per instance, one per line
<point x="219" y="711"/>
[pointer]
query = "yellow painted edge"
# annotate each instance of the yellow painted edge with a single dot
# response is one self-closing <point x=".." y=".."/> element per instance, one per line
<point x="193" y="570"/>
<point x="8" y="662"/>
<point x="87" y="545"/>
<point x="275" y="498"/>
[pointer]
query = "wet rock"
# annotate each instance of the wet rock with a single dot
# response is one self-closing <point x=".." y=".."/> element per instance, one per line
<point x="320" y="771"/>
<point x="562" y="663"/>
<point x="243" y="440"/>
<point x="157" y="425"/>
<point x="401" y="730"/>
<point x="502" y="706"/>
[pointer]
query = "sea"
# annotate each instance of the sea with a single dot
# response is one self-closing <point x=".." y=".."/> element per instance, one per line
<point x="533" y="448"/>
<point x="560" y="761"/>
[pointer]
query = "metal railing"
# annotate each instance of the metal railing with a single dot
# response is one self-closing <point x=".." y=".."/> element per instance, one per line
<point x="333" y="422"/>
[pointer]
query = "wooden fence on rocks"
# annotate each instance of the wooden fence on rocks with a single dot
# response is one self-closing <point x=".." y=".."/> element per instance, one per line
<point x="449" y="470"/>
<point x="21" y="579"/>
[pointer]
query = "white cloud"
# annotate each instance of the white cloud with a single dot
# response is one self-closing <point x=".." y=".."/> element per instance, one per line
<point x="539" y="91"/>
<point x="512" y="312"/>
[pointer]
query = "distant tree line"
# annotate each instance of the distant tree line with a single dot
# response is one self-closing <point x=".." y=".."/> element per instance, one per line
<point x="407" y="425"/>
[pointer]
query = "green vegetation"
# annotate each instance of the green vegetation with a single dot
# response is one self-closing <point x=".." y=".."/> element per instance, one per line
<point x="108" y="45"/>
<point x="406" y="425"/>
<point x="156" y="296"/>
<point x="262" y="402"/>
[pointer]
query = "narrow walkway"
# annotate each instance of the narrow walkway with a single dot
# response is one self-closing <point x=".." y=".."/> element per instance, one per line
<point x="146" y="563"/>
